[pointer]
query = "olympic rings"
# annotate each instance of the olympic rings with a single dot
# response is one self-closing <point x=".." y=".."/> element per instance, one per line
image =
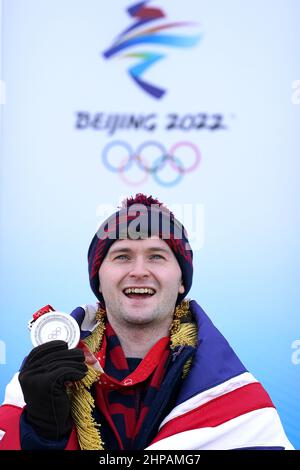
<point x="127" y="157"/>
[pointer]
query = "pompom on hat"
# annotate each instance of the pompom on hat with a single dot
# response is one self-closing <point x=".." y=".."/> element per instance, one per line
<point x="141" y="217"/>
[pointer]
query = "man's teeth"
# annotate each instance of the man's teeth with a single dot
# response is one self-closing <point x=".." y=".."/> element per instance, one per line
<point x="136" y="290"/>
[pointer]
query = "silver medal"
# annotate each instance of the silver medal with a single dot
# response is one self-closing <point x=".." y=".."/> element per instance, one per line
<point x="55" y="326"/>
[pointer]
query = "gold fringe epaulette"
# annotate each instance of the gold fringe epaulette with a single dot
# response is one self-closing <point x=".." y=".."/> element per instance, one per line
<point x="88" y="432"/>
<point x="82" y="401"/>
<point x="184" y="331"/>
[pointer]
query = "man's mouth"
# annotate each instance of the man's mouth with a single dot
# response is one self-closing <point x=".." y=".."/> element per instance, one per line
<point x="139" y="292"/>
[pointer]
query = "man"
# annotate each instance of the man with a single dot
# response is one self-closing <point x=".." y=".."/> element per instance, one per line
<point x="151" y="371"/>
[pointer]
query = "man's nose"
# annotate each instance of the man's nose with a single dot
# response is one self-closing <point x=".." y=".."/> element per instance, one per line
<point x="139" y="268"/>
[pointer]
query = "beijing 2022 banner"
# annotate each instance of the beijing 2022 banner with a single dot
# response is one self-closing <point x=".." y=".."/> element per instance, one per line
<point x="194" y="102"/>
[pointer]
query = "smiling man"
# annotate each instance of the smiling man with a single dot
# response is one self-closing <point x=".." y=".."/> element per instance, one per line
<point x="151" y="370"/>
<point x="140" y="280"/>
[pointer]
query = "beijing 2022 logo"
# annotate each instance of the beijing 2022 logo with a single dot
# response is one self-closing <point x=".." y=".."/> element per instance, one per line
<point x="139" y="33"/>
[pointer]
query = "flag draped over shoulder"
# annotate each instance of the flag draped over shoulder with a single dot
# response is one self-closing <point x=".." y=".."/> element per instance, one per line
<point x="220" y="405"/>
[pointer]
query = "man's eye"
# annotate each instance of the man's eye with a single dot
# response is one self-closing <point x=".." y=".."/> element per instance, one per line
<point x="157" y="256"/>
<point x="121" y="257"/>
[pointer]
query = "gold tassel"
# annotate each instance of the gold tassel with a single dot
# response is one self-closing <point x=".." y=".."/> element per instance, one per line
<point x="94" y="340"/>
<point x="82" y="401"/>
<point x="82" y="406"/>
<point x="184" y="331"/>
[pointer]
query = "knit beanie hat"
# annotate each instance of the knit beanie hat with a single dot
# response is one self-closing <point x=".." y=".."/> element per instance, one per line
<point x="141" y="217"/>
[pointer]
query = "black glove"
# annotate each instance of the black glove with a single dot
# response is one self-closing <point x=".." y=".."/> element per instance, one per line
<point x="42" y="379"/>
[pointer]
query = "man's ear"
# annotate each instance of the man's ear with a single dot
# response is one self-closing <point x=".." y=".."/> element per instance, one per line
<point x="181" y="288"/>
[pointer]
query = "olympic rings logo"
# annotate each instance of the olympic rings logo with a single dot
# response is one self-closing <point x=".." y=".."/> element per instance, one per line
<point x="163" y="160"/>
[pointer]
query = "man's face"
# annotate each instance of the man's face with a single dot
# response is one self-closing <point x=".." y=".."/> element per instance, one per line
<point x="132" y="265"/>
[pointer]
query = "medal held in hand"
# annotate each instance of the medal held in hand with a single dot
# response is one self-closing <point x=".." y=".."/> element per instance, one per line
<point x="49" y="325"/>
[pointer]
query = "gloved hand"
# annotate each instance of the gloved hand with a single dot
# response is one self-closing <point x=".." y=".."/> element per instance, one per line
<point x="42" y="379"/>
